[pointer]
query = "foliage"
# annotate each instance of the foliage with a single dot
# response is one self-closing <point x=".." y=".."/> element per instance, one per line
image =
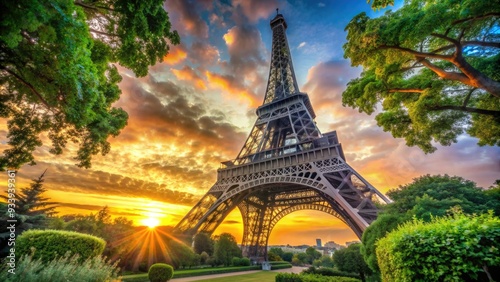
<point x="419" y="197"/>
<point x="435" y="68"/>
<point x="277" y="251"/>
<point x="452" y="248"/>
<point x="236" y="261"/>
<point x="378" y="229"/>
<point x="326" y="261"/>
<point x="226" y="248"/>
<point x="181" y="256"/>
<point x="312" y="254"/>
<point x="32" y="210"/>
<point x="275" y="265"/>
<point x="49" y="244"/>
<point x="113" y="231"/>
<point x="293" y="277"/>
<point x="204" y="257"/>
<point x="299" y="259"/>
<point x="287" y="256"/>
<point x="427" y="195"/>
<point x="61" y="269"/>
<point x="351" y="260"/>
<point x="203" y="243"/>
<point x="160" y="272"/>
<point x="56" y="73"/>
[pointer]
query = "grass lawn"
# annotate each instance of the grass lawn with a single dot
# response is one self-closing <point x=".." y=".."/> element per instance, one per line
<point x="262" y="276"/>
<point x="191" y="272"/>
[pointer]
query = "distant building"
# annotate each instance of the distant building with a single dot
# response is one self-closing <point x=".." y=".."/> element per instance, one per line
<point x="351" y="242"/>
<point x="333" y="245"/>
<point x="318" y="243"/>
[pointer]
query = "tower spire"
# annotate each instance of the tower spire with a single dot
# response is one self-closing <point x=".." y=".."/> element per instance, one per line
<point x="282" y="81"/>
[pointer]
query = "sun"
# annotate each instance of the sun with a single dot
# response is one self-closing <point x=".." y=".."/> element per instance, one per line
<point x="151" y="222"/>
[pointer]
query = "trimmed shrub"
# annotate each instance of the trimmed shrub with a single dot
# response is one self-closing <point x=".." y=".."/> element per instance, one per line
<point x="61" y="269"/>
<point x="328" y="271"/>
<point x="49" y="244"/>
<point x="288" y="277"/>
<point x="160" y="272"/>
<point x="454" y="248"/>
<point x="235" y="261"/>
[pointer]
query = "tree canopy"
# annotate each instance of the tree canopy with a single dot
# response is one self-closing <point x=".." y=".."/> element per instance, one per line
<point x="350" y="260"/>
<point x="226" y="248"/>
<point x="434" y="66"/>
<point x="426" y="197"/>
<point x="57" y="77"/>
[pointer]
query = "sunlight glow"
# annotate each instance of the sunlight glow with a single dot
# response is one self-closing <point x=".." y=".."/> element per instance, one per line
<point x="151" y="222"/>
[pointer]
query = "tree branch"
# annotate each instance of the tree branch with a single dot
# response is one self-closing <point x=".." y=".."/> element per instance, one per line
<point x="487" y="15"/>
<point x="81" y="4"/>
<point x="455" y="42"/>
<point x="96" y="8"/>
<point x="466" y="109"/>
<point x="447" y="75"/>
<point x="416" y="53"/>
<point x="28" y="85"/>
<point x="409" y="90"/>
<point x="467" y="98"/>
<point x="102" y="33"/>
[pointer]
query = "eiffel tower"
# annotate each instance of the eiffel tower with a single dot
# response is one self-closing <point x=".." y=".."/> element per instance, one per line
<point x="285" y="165"/>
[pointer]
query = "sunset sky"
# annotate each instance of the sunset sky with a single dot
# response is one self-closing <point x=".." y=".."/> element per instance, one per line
<point x="195" y="110"/>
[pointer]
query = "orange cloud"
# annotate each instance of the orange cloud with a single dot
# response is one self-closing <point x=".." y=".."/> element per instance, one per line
<point x="190" y="75"/>
<point x="235" y="89"/>
<point x="176" y="55"/>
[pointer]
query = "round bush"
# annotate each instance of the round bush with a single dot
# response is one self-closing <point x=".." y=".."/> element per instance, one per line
<point x="49" y="244"/>
<point x="160" y="272"/>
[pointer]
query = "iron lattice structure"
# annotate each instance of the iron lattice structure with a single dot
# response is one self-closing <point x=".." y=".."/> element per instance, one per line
<point x="285" y="165"/>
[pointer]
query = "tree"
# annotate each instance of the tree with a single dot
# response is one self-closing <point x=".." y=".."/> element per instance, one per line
<point x="351" y="260"/>
<point x="275" y="254"/>
<point x="326" y="261"/>
<point x="312" y="254"/>
<point x="425" y="197"/>
<point x="31" y="210"/>
<point x="57" y="75"/>
<point x="226" y="248"/>
<point x="287" y="256"/>
<point x="203" y="243"/>
<point x="435" y="68"/>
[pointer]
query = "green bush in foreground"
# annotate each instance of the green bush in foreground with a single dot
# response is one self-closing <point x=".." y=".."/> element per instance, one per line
<point x="454" y="248"/>
<point x="292" y="277"/>
<point x="61" y="269"/>
<point x="49" y="244"/>
<point x="160" y="272"/>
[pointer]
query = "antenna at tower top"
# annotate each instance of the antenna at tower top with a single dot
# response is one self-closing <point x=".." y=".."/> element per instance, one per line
<point x="277" y="11"/>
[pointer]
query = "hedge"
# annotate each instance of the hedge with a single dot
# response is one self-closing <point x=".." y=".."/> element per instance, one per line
<point x="160" y="272"/>
<point x="454" y="248"/>
<point x="328" y="271"/>
<point x="282" y="265"/>
<point x="292" y="277"/>
<point x="49" y="244"/>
